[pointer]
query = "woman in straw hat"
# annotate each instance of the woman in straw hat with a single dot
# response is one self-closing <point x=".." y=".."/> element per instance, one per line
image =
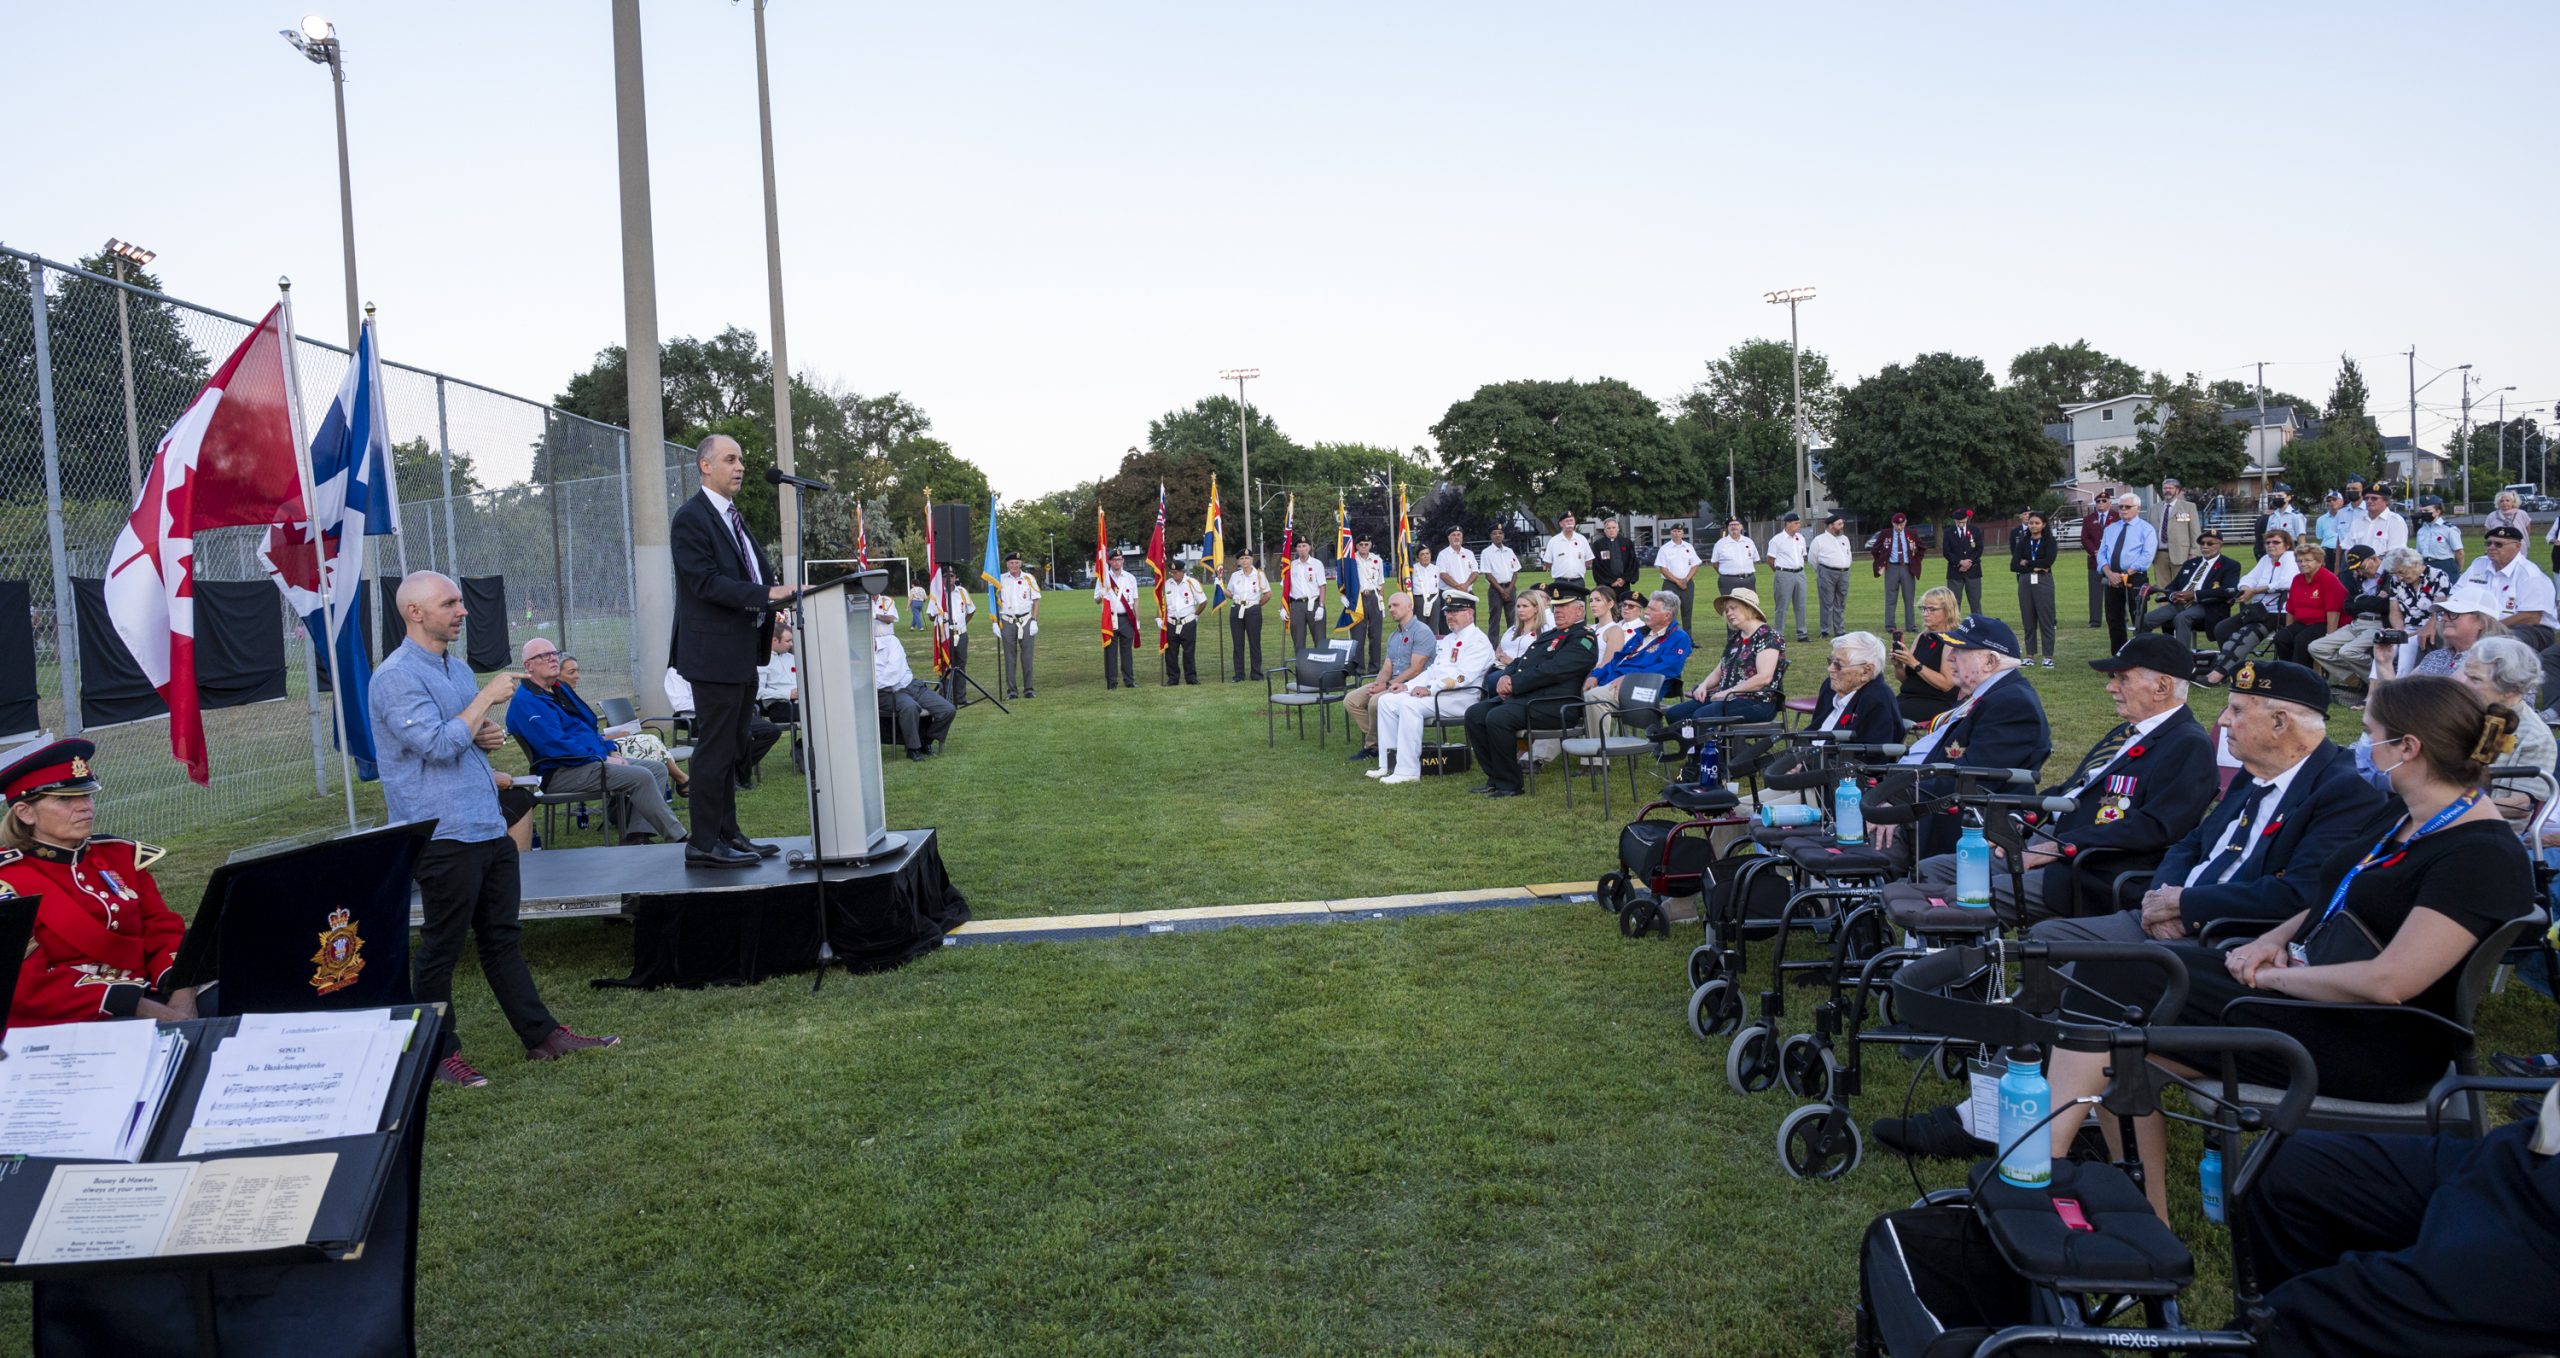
<point x="1748" y="684"/>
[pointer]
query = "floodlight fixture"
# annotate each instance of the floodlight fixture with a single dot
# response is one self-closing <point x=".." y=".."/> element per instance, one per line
<point x="130" y="253"/>
<point x="1785" y="295"/>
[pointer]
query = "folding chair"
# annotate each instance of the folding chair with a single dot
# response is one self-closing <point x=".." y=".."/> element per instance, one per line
<point x="1639" y="709"/>
<point x="1317" y="679"/>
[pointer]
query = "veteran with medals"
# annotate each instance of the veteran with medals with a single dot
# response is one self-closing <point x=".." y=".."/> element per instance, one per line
<point x="104" y="940"/>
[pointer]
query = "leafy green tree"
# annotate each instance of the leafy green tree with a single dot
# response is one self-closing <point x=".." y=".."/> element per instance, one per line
<point x="88" y="381"/>
<point x="1545" y="447"/>
<point x="1936" y="434"/>
<point x="2183" y="435"/>
<point x="2057" y="375"/>
<point x="1745" y="409"/>
<point x="2349" y="443"/>
<point x="420" y="471"/>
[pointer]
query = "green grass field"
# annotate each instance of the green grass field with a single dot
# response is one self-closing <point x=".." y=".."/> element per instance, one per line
<point x="1477" y="1133"/>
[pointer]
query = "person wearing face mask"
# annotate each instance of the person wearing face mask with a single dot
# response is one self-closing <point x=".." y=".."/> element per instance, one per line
<point x="2283" y="517"/>
<point x="2438" y="540"/>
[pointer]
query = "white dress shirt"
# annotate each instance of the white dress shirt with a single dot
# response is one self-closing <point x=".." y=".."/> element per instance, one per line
<point x="1373" y="573"/>
<point x="1016" y="595"/>
<point x="1117" y="592"/>
<point x="1459" y="661"/>
<point x="1734" y="556"/>
<point x="2258" y="832"/>
<point x="1786" y="551"/>
<point x="2272" y="574"/>
<point x="2520" y="588"/>
<point x="1500" y="562"/>
<point x="1306" y="585"/>
<point x="720" y="507"/>
<point x="1182" y="599"/>
<point x="1833" y="550"/>
<point x="1457" y="567"/>
<point x="955" y="600"/>
<point x="1927" y="745"/>
<point x="889" y="669"/>
<point x="1422" y="581"/>
<point x="1676" y="559"/>
<point x="778" y="679"/>
<point x="2141" y="731"/>
<point x="1568" y="557"/>
<point x="1248" y="588"/>
<point x="2381" y="533"/>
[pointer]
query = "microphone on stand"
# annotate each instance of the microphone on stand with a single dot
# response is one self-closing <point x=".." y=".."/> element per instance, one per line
<point x="775" y="476"/>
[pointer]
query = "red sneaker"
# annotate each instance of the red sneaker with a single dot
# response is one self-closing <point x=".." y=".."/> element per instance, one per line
<point x="453" y="1070"/>
<point x="562" y="1042"/>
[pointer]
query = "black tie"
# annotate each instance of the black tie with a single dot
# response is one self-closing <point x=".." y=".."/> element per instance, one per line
<point x="2103" y="755"/>
<point x="738" y="529"/>
<point x="2229" y="860"/>
<point x="2115" y="558"/>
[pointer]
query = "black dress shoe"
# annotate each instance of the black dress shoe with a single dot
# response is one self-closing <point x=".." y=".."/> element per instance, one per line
<point x="1030" y="693"/>
<point x="1933" y="1135"/>
<point x="1507" y="792"/>
<point x="1365" y="752"/>
<point x="639" y="837"/>
<point x="719" y="856"/>
<point x="745" y="845"/>
<point x="915" y="756"/>
<point x="1481" y="789"/>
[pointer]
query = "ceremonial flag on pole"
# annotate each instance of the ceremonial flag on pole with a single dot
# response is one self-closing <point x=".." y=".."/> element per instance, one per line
<point x="861" y="537"/>
<point x="938" y="607"/>
<point x="1404" y="536"/>
<point x="1102" y="569"/>
<point x="1288" y="553"/>
<point x="993" y="567"/>
<point x="1346" y="573"/>
<point x="354" y="497"/>
<point x="228" y="461"/>
<point x="1213" y="549"/>
<point x="1156" y="559"/>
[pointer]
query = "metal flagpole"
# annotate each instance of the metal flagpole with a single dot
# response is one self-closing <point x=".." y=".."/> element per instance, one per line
<point x="319" y="553"/>
<point x="390" y="460"/>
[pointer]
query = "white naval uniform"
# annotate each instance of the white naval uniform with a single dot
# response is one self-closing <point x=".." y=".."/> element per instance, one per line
<point x="1451" y="683"/>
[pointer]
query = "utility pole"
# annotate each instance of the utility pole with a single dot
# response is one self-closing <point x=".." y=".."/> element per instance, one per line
<point x="127" y="253"/>
<point x="2413" y="412"/>
<point x="1244" y="446"/>
<point x="653" y="568"/>
<point x="2258" y="433"/>
<point x="1789" y="297"/>
<point x="2466" y="438"/>
<point x="782" y="426"/>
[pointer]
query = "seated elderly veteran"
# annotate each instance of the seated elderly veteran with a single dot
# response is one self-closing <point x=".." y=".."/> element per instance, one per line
<point x="2197" y="595"/>
<point x="1401" y="657"/>
<point x="1997" y="723"/>
<point x="1658" y="646"/>
<point x="1530" y="691"/>
<point x="1453" y="682"/>
<point x="559" y="735"/>
<point x="1854" y="700"/>
<point x="923" y="716"/>
<point x="103" y="939"/>
<point x="2345" y="654"/>
<point x="2143" y="787"/>
<point x="1750" y="682"/>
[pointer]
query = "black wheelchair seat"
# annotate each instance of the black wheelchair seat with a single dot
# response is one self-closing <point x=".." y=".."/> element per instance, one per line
<point x="1932" y="910"/>
<point x="2126" y="1250"/>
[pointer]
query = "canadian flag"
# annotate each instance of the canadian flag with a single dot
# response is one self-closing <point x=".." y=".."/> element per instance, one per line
<point x="229" y="460"/>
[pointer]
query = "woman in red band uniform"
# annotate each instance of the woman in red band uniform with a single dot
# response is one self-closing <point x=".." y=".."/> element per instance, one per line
<point x="103" y="938"/>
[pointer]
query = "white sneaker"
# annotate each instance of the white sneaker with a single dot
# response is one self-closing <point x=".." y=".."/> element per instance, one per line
<point x="1375" y="773"/>
<point x="1394" y="778"/>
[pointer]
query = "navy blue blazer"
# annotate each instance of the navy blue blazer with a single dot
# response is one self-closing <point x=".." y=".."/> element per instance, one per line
<point x="2006" y="730"/>
<point x="2152" y="796"/>
<point x="2323" y="809"/>
<point x="1874" y="717"/>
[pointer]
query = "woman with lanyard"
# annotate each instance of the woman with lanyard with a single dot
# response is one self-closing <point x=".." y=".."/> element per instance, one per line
<point x="2397" y="913"/>
<point x="1928" y="685"/>
<point x="2032" y="552"/>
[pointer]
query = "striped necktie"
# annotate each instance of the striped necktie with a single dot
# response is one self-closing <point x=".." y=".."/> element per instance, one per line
<point x="2103" y="755"/>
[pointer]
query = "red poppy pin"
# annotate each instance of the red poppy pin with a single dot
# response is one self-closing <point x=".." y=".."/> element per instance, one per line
<point x="2135" y="752"/>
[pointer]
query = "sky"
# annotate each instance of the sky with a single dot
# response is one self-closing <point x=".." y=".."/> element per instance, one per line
<point x="1049" y="224"/>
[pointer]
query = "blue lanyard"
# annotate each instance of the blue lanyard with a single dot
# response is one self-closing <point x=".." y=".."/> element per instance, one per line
<point x="2375" y="857"/>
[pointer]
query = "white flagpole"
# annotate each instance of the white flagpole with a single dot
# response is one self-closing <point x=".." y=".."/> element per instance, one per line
<point x="319" y="549"/>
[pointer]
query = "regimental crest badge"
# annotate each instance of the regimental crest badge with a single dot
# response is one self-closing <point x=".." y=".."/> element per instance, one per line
<point x="341" y="956"/>
<point x="79" y="767"/>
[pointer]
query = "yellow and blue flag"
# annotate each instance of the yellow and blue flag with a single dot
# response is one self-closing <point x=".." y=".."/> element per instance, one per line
<point x="1213" y="549"/>
<point x="992" y="568"/>
<point x="1347" y="567"/>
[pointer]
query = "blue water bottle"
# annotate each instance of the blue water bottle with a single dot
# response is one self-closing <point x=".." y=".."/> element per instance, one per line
<point x="1710" y="762"/>
<point x="1973" y="864"/>
<point x="1791" y="813"/>
<point x="1849" y="813"/>
<point x="2209" y="1178"/>
<point x="2026" y="1158"/>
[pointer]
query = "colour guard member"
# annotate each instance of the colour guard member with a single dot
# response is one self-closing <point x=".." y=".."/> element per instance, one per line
<point x="1182" y="600"/>
<point x="1568" y="560"/>
<point x="1247" y="589"/>
<point x="1501" y="567"/>
<point x="1367" y="633"/>
<point x="1678" y="562"/>
<point x="103" y="940"/>
<point x="1017" y="622"/>
<point x="1117" y="593"/>
<point x="1309" y="630"/>
<point x="1458" y="571"/>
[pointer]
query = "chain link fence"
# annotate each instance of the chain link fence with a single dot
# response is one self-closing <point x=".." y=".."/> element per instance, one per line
<point x="93" y="371"/>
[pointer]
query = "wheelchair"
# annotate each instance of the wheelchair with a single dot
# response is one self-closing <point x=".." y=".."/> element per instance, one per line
<point x="1673" y="858"/>
<point x="1994" y="1268"/>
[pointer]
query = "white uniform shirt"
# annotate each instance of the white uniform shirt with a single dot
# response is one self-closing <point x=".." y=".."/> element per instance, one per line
<point x="2350" y="522"/>
<point x="1786" y="551"/>
<point x="2382" y="533"/>
<point x="1117" y="591"/>
<point x="1459" y="661"/>
<point x="1734" y="556"/>
<point x="679" y="691"/>
<point x="1373" y="573"/>
<point x="1457" y="567"/>
<point x="2262" y="822"/>
<point x="1676" y="559"/>
<point x="1182" y="599"/>
<point x="1500" y="562"/>
<point x="1834" y="550"/>
<point x="2273" y="574"/>
<point x="1422" y="581"/>
<point x="1248" y="588"/>
<point x="1306" y="585"/>
<point x="1568" y="557"/>
<point x="2520" y="588"/>
<point x="778" y="679"/>
<point x="956" y="600"/>
<point x="1016" y="595"/>
<point x="889" y="668"/>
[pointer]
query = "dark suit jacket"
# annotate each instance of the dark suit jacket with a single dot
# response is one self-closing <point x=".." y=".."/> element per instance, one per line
<point x="2147" y="800"/>
<point x="1613" y="562"/>
<point x="1874" y="717"/>
<point x="2323" y="809"/>
<point x="724" y="620"/>
<point x="1553" y="668"/>
<point x="2006" y="730"/>
<point x="1959" y="543"/>
<point x="2215" y="589"/>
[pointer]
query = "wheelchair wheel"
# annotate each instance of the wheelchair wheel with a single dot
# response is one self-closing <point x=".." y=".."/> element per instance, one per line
<point x="1611" y="891"/>
<point x="1809" y="1148"/>
<point x="1705" y="964"/>
<point x="1806" y="1067"/>
<point x="1714" y="1009"/>
<point x="1642" y="916"/>
<point x="1749" y="1064"/>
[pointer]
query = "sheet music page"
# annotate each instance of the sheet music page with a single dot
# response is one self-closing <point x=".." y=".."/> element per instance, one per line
<point x="104" y="1212"/>
<point x="252" y="1202"/>
<point x="67" y="1090"/>
<point x="266" y="1090"/>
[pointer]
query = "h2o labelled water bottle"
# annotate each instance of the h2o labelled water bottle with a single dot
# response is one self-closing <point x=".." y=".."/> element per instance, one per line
<point x="1849" y="813"/>
<point x="2026" y="1158"/>
<point x="1973" y="864"/>
<point x="2209" y="1178"/>
<point x="1710" y="762"/>
<point x="1790" y="814"/>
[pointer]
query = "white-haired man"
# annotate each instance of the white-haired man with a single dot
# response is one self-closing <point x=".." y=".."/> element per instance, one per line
<point x="2125" y="551"/>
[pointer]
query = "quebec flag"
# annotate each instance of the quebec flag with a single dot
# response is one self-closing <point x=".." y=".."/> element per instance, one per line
<point x="354" y="497"/>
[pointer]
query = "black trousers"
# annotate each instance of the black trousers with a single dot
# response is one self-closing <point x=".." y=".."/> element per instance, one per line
<point x="952" y="686"/>
<point x="2390" y="1245"/>
<point x="1182" y="653"/>
<point x="723" y="753"/>
<point x="1246" y="627"/>
<point x="2124" y="609"/>
<point x="1121" y="653"/>
<point x="2293" y="640"/>
<point x="1493" y="732"/>
<point x="474" y="889"/>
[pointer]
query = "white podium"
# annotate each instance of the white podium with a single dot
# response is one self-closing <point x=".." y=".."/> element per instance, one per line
<point x="840" y="723"/>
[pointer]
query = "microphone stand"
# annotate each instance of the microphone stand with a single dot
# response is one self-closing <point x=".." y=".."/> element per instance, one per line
<point x="809" y="725"/>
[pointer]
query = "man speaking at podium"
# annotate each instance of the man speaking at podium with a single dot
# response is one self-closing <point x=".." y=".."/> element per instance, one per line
<point x="725" y="601"/>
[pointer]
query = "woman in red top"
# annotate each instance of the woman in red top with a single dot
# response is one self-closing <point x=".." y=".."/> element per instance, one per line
<point x="2311" y="606"/>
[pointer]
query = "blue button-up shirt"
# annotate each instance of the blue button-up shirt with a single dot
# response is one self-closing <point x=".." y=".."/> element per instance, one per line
<point x="557" y="729"/>
<point x="428" y="764"/>
<point x="1412" y="639"/>
<point x="2141" y="542"/>
<point x="1666" y="654"/>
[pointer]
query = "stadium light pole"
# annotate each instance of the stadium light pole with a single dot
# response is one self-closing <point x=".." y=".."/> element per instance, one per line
<point x="782" y="427"/>
<point x="126" y="253"/>
<point x="1244" y="447"/>
<point x="317" y="39"/>
<point x="1789" y="298"/>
